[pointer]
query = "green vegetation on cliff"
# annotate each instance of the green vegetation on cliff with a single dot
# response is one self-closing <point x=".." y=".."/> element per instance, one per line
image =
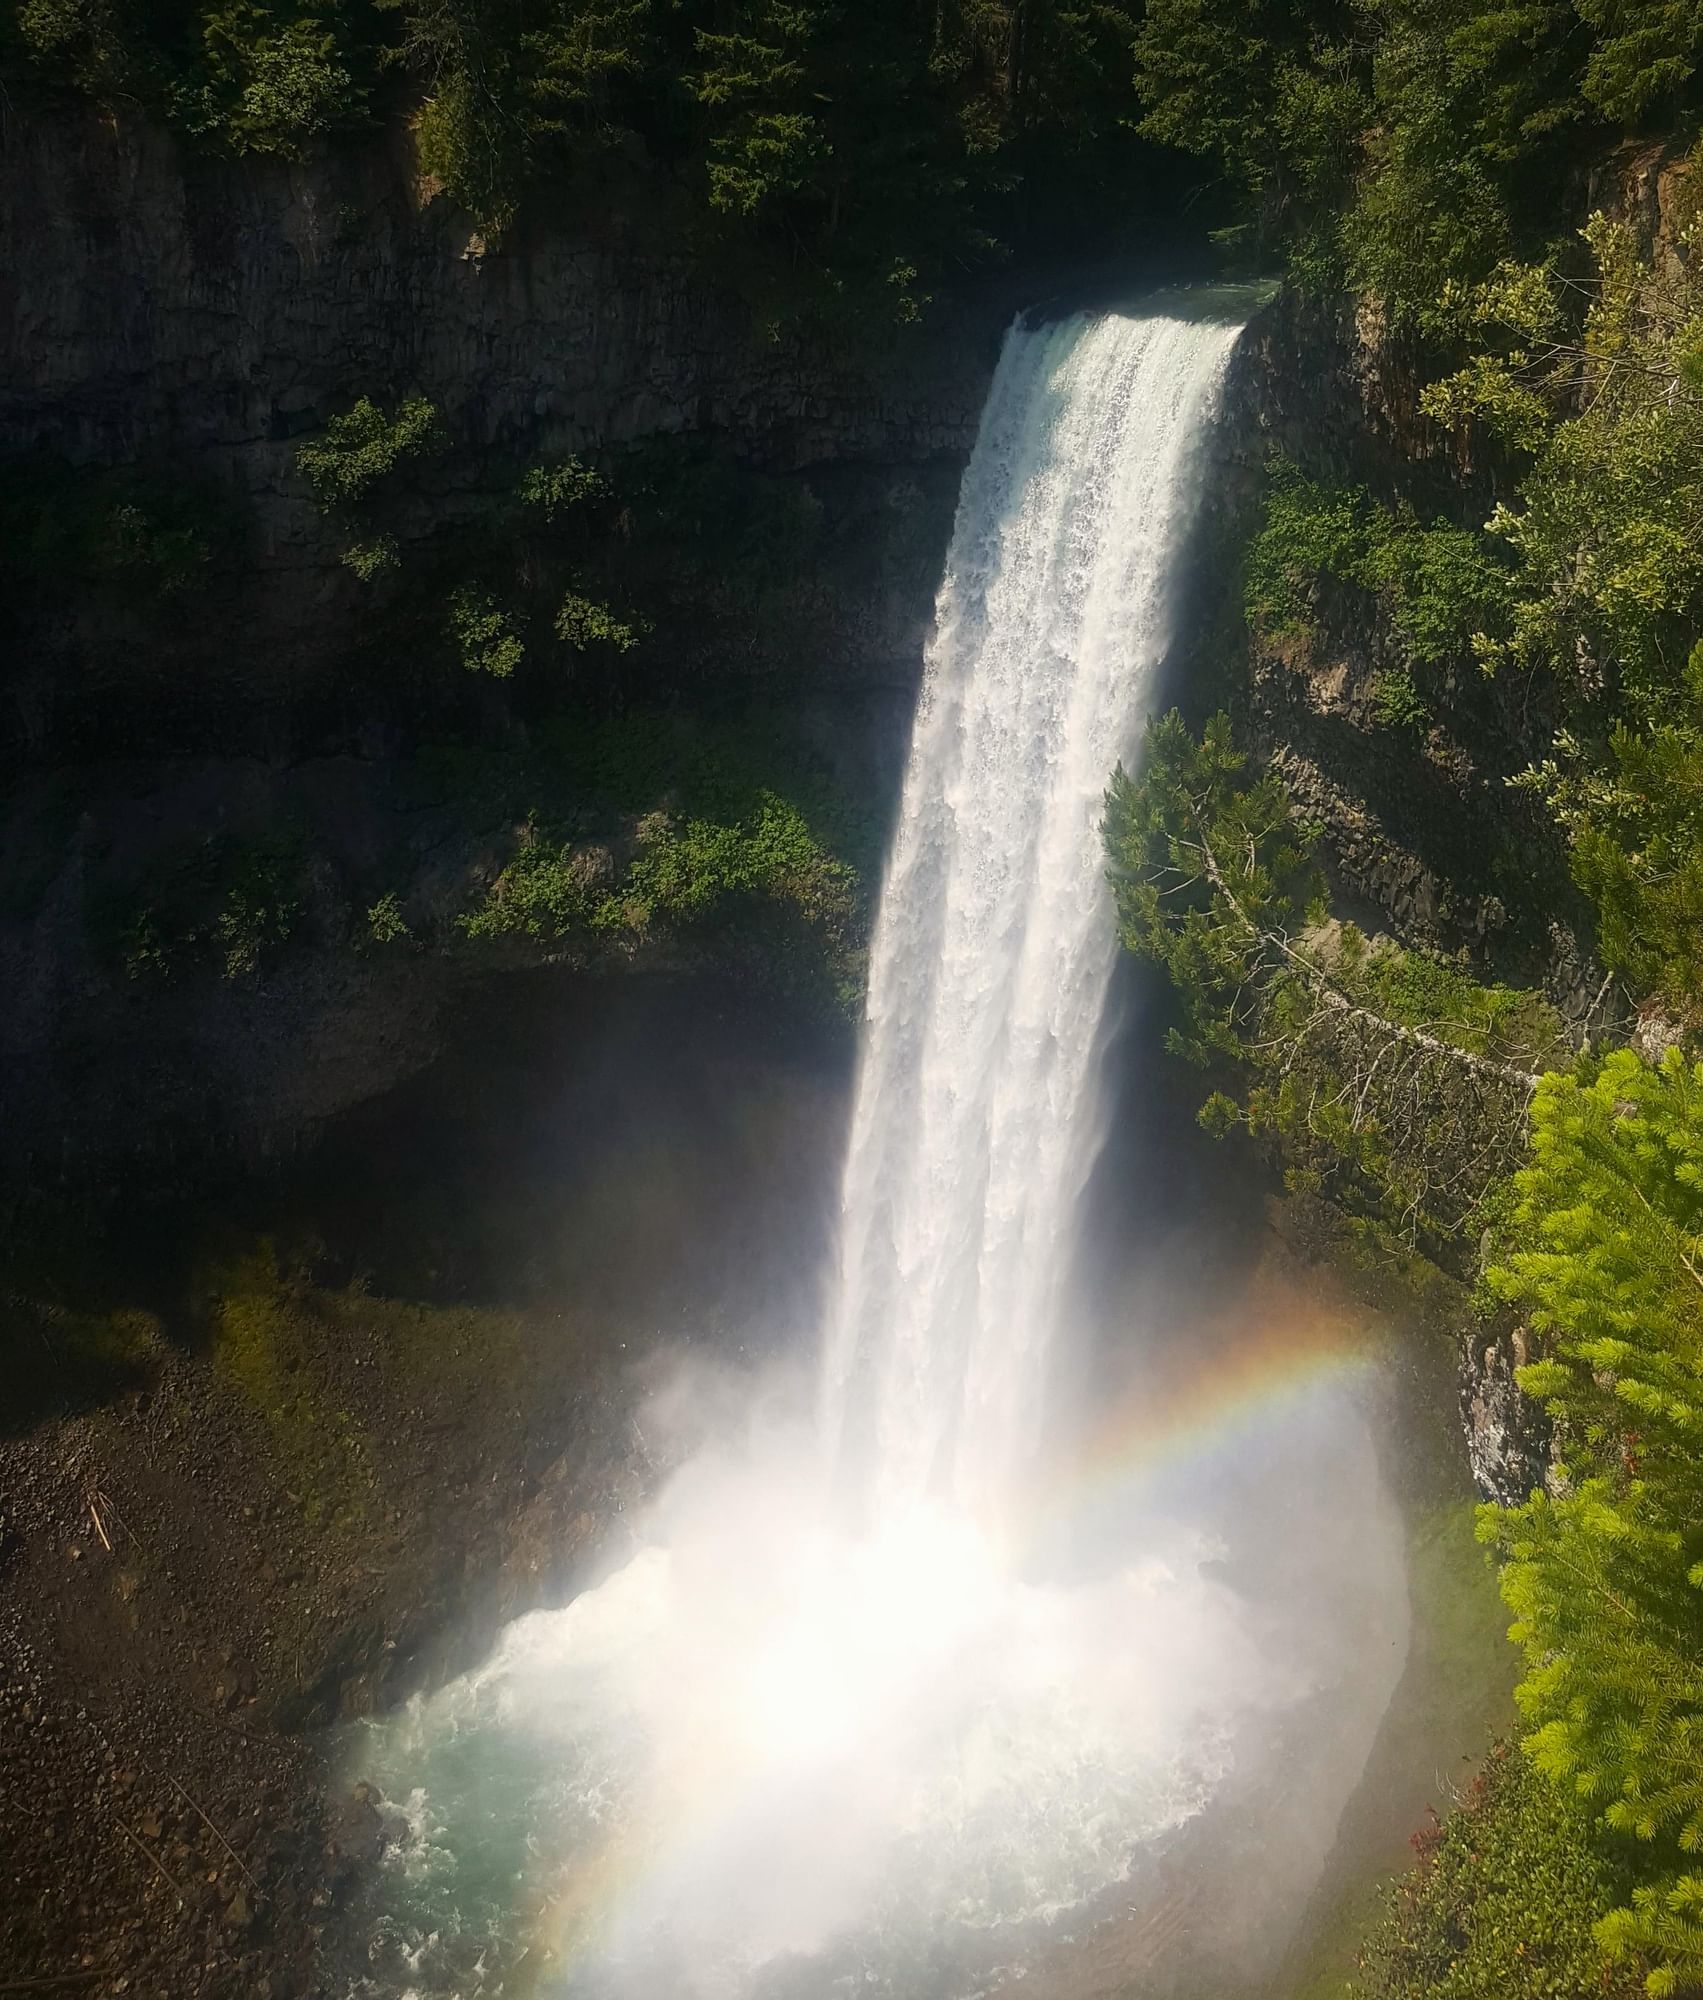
<point x="206" y="901"/>
<point x="1391" y="1080"/>
<point x="723" y="838"/>
<point x="1408" y="1092"/>
<point x="1438" y="585"/>
<point x="1459" y="1925"/>
<point x="1560" y="350"/>
<point x="1594" y="383"/>
<point x="1406" y="147"/>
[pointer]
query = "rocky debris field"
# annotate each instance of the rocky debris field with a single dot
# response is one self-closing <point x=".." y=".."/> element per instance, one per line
<point x="302" y="1504"/>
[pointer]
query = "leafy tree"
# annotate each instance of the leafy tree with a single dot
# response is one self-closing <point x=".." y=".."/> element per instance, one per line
<point x="1405" y="147"/>
<point x="1605" y="595"/>
<point x="1470" y="101"/>
<point x="1605" y="1573"/>
<point x="1277" y="96"/>
<point x="266" y="76"/>
<point x="1611" y="409"/>
<point x="272" y="85"/>
<point x="88" y="42"/>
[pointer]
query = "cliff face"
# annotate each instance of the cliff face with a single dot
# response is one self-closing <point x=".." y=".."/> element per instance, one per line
<point x="198" y="318"/>
<point x="161" y="307"/>
<point x="1421" y="837"/>
<point x="153" y="294"/>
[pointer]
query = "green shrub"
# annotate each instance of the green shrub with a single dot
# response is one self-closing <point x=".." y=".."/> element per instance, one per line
<point x="581" y="622"/>
<point x="386" y="923"/>
<point x="1500" y="1903"/>
<point x="483" y="634"/>
<point x="362" y="448"/>
<point x="681" y="871"/>
<point x="720" y="830"/>
<point x="260" y="904"/>
<point x="555" y="490"/>
<point x="1440" y="586"/>
<point x="222" y="902"/>
<point x="373" y="557"/>
<point x="274" y="85"/>
<point x="1397" y="702"/>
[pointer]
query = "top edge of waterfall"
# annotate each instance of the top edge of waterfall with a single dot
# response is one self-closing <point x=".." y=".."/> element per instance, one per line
<point x="1211" y="302"/>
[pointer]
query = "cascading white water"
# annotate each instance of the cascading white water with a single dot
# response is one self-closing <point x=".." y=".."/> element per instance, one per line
<point x="994" y="943"/>
<point x="795" y="1748"/>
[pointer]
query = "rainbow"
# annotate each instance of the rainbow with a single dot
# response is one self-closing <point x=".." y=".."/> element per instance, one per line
<point x="1279" y="1347"/>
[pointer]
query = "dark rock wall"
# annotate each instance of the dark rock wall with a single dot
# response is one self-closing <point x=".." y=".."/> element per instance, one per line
<point x="158" y="304"/>
<point x="152" y="294"/>
<point x="161" y="307"/>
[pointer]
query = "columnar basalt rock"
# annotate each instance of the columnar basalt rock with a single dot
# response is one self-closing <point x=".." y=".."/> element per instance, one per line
<point x="161" y="305"/>
<point x="165" y="308"/>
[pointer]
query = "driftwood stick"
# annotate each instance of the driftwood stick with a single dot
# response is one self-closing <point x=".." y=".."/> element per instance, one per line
<point x="52" y="1979"/>
<point x="106" y="1502"/>
<point x="154" y="1859"/>
<point x="211" y="1828"/>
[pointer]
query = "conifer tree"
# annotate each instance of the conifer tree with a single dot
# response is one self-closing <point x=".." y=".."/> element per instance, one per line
<point x="1605" y="1573"/>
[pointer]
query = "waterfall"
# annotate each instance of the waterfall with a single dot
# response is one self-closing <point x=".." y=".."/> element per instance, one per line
<point x="792" y="1747"/>
<point x="994" y="944"/>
